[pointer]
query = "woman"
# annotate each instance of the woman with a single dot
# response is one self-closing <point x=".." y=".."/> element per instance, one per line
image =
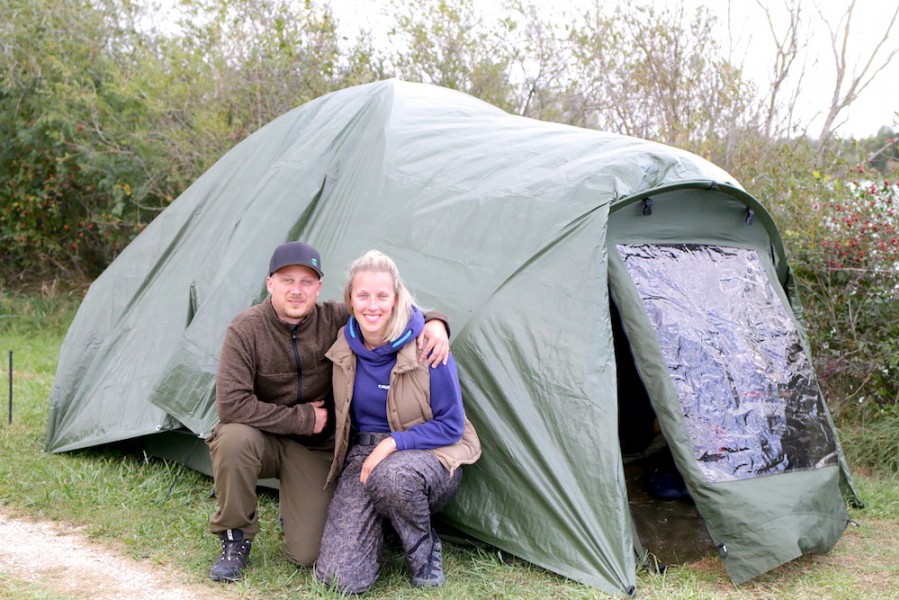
<point x="401" y="435"/>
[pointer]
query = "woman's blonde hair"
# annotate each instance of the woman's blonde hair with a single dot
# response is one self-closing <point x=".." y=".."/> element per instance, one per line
<point x="378" y="262"/>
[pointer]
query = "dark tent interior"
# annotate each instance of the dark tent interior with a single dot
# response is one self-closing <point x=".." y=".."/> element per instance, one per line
<point x="666" y="520"/>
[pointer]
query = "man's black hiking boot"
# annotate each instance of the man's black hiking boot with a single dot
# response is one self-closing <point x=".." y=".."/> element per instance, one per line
<point x="234" y="557"/>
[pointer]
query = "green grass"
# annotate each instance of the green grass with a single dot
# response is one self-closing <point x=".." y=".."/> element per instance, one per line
<point x="15" y="588"/>
<point x="874" y="443"/>
<point x="157" y="512"/>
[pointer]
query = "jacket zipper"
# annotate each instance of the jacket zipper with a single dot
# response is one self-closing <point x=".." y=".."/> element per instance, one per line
<point x="296" y="358"/>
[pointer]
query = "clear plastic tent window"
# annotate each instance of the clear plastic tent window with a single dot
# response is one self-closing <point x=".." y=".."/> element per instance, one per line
<point x="744" y="382"/>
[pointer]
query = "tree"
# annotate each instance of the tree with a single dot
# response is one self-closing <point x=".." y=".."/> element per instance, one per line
<point x="851" y="80"/>
<point x="67" y="163"/>
<point x="444" y="42"/>
<point x="261" y="58"/>
<point x="788" y="48"/>
<point x="540" y="62"/>
<point x="856" y="65"/>
<point x="656" y="74"/>
<point x="105" y="119"/>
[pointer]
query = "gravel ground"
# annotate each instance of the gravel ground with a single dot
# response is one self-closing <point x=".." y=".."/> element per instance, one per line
<point x="65" y="562"/>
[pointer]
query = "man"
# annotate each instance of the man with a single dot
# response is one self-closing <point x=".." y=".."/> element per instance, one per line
<point x="273" y="397"/>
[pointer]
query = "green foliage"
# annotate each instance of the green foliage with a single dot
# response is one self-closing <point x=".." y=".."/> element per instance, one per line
<point x="881" y="152"/>
<point x="45" y="112"/>
<point x="76" y="179"/>
<point x="861" y="230"/>
<point x="850" y="263"/>
<point x="104" y="123"/>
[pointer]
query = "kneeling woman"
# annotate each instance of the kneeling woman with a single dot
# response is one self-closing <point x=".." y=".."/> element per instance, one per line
<point x="401" y="435"/>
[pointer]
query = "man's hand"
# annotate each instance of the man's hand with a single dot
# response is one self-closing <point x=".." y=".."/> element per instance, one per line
<point x="433" y="343"/>
<point x="321" y="415"/>
<point x="381" y="451"/>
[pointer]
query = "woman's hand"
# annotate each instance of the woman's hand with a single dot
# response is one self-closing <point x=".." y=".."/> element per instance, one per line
<point x="433" y="343"/>
<point x="381" y="451"/>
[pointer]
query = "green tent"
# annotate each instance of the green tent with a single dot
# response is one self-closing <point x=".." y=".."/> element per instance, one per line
<point x="611" y="300"/>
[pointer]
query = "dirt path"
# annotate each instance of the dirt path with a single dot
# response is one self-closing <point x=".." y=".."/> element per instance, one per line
<point x="52" y="558"/>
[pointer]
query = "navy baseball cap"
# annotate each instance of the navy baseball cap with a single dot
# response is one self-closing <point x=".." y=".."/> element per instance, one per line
<point x="295" y="253"/>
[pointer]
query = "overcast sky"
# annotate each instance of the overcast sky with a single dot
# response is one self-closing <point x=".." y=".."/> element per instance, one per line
<point x="874" y="108"/>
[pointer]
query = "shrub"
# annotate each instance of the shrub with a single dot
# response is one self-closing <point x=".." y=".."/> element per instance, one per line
<point x="851" y="267"/>
<point x="861" y="232"/>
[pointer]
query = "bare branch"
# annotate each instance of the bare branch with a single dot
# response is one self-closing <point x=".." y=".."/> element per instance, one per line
<point x="861" y="79"/>
<point x="787" y="50"/>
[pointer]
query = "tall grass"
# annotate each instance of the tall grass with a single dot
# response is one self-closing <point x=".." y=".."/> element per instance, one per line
<point x="157" y="512"/>
<point x="873" y="445"/>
